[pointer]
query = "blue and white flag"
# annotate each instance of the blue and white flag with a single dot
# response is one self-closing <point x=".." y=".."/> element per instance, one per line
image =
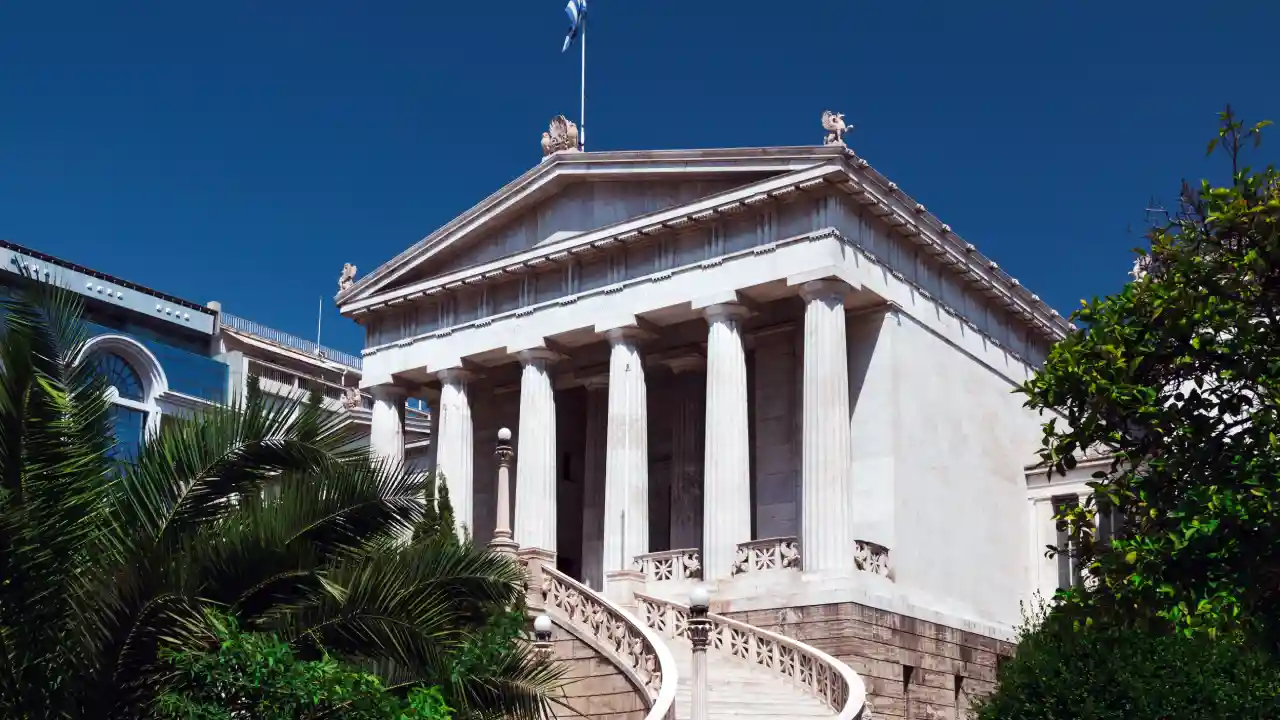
<point x="577" y="10"/>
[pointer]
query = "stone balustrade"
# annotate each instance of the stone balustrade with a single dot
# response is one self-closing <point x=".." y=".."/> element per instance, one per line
<point x="872" y="557"/>
<point x="665" y="565"/>
<point x="632" y="646"/>
<point x="781" y="553"/>
<point x="825" y="677"/>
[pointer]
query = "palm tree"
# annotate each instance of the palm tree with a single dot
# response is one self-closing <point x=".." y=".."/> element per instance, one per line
<point x="102" y="566"/>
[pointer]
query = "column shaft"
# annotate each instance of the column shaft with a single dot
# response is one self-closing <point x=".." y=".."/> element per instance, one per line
<point x="386" y="424"/>
<point x="536" y="453"/>
<point x="626" y="493"/>
<point x="827" y="538"/>
<point x="726" y="517"/>
<point x="455" y="443"/>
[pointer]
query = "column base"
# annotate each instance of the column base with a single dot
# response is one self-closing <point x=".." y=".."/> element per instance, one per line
<point x="503" y="544"/>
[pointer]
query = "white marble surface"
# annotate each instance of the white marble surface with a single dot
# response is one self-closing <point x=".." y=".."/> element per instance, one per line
<point x="455" y="455"/>
<point x="386" y="424"/>
<point x="626" y="491"/>
<point x="827" y="532"/>
<point x="727" y="467"/>
<point x="535" y="524"/>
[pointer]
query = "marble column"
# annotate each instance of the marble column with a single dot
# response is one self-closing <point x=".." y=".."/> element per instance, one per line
<point x="626" y="483"/>
<point x="536" y="447"/>
<point x="455" y="444"/>
<point x="826" y="526"/>
<point x="726" y="517"/>
<point x="687" y="436"/>
<point x="593" y="482"/>
<point x="386" y="424"/>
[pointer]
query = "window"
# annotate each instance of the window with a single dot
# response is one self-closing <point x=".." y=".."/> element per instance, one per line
<point x="1068" y="568"/>
<point x="121" y="376"/>
<point x="1109" y="522"/>
<point x="129" y="410"/>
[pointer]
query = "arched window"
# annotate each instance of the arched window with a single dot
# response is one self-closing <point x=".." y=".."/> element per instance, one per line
<point x="129" y="409"/>
<point x="121" y="375"/>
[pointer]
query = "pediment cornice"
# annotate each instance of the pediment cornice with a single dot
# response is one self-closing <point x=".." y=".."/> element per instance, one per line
<point x="556" y="170"/>
<point x="844" y="170"/>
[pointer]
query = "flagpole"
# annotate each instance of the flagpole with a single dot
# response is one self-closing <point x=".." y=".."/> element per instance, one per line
<point x="582" y="107"/>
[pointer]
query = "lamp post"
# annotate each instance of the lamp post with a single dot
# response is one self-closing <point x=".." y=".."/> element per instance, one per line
<point x="502" y="452"/>
<point x="542" y="636"/>
<point x="699" y="631"/>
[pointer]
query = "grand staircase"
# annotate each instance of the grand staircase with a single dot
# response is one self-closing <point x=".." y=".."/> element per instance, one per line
<point x="738" y="689"/>
<point x="751" y="673"/>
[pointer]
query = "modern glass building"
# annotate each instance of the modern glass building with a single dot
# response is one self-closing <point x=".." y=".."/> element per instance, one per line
<point x="165" y="357"/>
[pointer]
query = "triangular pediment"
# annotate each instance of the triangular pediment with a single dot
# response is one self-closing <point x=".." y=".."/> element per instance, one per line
<point x="575" y="193"/>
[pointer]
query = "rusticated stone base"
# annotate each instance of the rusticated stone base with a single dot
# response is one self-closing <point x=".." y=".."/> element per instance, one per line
<point x="594" y="688"/>
<point x="914" y="669"/>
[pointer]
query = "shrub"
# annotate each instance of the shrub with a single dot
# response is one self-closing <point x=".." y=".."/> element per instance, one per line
<point x="1068" y="670"/>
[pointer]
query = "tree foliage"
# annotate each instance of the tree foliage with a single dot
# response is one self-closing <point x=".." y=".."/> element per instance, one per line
<point x="1102" y="671"/>
<point x="257" y="675"/>
<point x="1177" y="375"/>
<point x="102" y="567"/>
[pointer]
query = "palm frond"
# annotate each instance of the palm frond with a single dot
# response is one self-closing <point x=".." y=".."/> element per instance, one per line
<point x="55" y="477"/>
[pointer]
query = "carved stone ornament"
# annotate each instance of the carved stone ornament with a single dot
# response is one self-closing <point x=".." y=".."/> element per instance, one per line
<point x="562" y="136"/>
<point x="833" y="123"/>
<point x="351" y="396"/>
<point x="347" y="278"/>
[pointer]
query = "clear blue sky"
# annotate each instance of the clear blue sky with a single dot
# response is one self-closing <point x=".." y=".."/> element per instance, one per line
<point x="242" y="151"/>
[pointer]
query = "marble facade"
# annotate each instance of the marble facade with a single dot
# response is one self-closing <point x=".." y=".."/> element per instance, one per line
<point x="766" y="367"/>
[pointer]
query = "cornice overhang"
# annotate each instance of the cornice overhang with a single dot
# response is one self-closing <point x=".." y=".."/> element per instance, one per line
<point x="637" y="229"/>
<point x="846" y="171"/>
<point x="546" y="177"/>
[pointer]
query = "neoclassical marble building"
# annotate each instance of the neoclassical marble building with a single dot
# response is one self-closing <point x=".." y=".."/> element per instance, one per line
<point x="768" y="370"/>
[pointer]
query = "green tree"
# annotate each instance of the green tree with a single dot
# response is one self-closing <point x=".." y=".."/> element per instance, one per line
<point x="1103" y="671"/>
<point x="1177" y="375"/>
<point x="257" y="675"/>
<point x="101" y="567"/>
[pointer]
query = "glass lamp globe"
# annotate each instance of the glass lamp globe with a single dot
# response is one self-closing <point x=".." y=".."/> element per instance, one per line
<point x="542" y="624"/>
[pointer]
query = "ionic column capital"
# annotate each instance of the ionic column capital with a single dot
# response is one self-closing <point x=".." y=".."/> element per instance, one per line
<point x="732" y="312"/>
<point x="824" y="289"/>
<point x="537" y="356"/>
<point x="627" y="334"/>
<point x="455" y="375"/>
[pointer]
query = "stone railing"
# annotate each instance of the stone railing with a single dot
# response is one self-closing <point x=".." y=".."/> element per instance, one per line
<point x="670" y="565"/>
<point x="630" y="644"/>
<point x="826" y="678"/>
<point x="768" y="554"/>
<point x="872" y="557"/>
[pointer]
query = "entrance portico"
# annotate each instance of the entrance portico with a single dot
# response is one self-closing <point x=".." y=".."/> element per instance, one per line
<point x="673" y="390"/>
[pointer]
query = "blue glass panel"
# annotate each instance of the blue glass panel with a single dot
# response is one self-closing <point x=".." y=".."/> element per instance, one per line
<point x="188" y="373"/>
<point x="121" y="375"/>
<point x="127" y="424"/>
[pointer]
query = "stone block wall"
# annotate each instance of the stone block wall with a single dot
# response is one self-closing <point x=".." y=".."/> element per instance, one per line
<point x="913" y="669"/>
<point x="594" y="688"/>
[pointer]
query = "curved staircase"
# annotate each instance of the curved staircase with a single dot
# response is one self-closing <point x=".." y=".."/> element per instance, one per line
<point x="751" y="673"/>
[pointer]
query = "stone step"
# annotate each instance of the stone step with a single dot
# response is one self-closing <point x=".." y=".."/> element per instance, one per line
<point x="739" y="688"/>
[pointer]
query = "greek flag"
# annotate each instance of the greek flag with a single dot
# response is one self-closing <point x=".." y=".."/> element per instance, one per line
<point x="577" y="10"/>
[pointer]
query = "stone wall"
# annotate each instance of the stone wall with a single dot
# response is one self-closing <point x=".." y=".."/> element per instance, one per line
<point x="594" y="687"/>
<point x="913" y="669"/>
